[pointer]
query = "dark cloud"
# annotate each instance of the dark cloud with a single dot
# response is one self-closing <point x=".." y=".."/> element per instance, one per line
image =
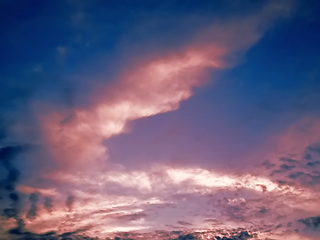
<point x="267" y="164"/>
<point x="311" y="227"/>
<point x="306" y="179"/>
<point x="308" y="156"/>
<point x="241" y="236"/>
<point x="312" y="152"/>
<point x="14" y="197"/>
<point x="19" y="229"/>
<point x="70" y="202"/>
<point x="283" y="168"/>
<point x="313" y="164"/>
<point x="311" y="222"/>
<point x="7" y="155"/>
<point x="303" y="170"/>
<point x="13" y="210"/>
<point x="33" y="198"/>
<point x="286" y="167"/>
<point x="48" y="204"/>
<point x="313" y="149"/>
<point x="70" y="234"/>
<point x="184" y="223"/>
<point x="129" y="217"/>
<point x="20" y="233"/>
<point x="8" y="184"/>
<point x="288" y="160"/>
<point x="10" y="212"/>
<point x="186" y="237"/>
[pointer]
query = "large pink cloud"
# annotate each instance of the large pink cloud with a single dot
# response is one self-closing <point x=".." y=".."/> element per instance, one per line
<point x="148" y="89"/>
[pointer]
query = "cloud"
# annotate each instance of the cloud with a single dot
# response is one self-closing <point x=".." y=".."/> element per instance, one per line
<point x="311" y="222"/>
<point x="295" y="163"/>
<point x="69" y="202"/>
<point x="181" y="199"/>
<point x="300" y="171"/>
<point x="311" y="227"/>
<point x="48" y="204"/>
<point x="33" y="198"/>
<point x="8" y="184"/>
<point x="144" y="197"/>
<point x="234" y="234"/>
<point x="152" y="88"/>
<point x="68" y="161"/>
<point x="7" y="155"/>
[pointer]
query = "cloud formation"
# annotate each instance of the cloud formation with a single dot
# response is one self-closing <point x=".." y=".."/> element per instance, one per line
<point x="152" y="86"/>
<point x="67" y="184"/>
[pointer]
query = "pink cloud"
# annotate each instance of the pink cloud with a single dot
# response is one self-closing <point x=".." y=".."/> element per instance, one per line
<point x="152" y="88"/>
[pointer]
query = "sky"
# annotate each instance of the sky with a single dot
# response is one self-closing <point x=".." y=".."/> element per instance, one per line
<point x="160" y="119"/>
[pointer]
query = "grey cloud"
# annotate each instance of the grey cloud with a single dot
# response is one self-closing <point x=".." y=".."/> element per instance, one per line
<point x="21" y="233"/>
<point x="267" y="164"/>
<point x="33" y="198"/>
<point x="48" y="204"/>
<point x="306" y="179"/>
<point x="303" y="170"/>
<point x="308" y="156"/>
<point x="184" y="223"/>
<point x="311" y="222"/>
<point x="186" y="237"/>
<point x="311" y="227"/>
<point x="241" y="236"/>
<point x="313" y="149"/>
<point x="288" y="160"/>
<point x="283" y="168"/>
<point x="313" y="164"/>
<point x="128" y="217"/>
<point x="9" y="212"/>
<point x="312" y="152"/>
<point x="69" y="203"/>
<point x="286" y="167"/>
<point x="8" y="155"/>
